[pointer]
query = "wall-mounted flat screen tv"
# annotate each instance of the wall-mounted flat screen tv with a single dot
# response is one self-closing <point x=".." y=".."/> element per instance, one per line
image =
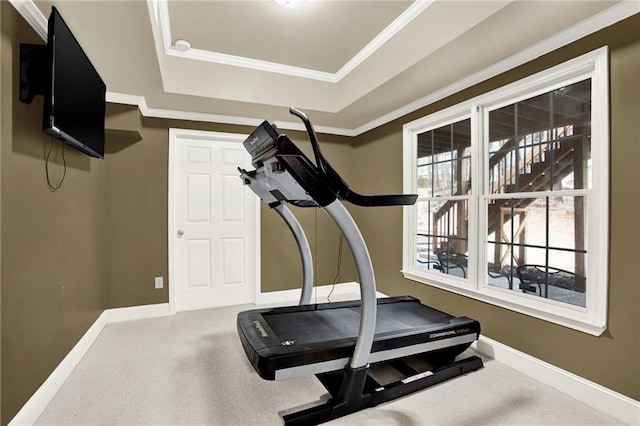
<point x="74" y="93"/>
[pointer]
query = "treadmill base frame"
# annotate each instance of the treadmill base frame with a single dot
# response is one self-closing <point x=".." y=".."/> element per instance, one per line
<point x="354" y="390"/>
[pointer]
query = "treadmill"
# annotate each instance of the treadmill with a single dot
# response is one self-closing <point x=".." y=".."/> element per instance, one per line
<point x="340" y="341"/>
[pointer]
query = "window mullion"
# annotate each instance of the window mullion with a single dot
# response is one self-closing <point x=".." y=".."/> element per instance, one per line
<point x="477" y="214"/>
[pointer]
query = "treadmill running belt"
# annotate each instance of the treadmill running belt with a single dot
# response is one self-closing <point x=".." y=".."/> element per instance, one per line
<point x="312" y="327"/>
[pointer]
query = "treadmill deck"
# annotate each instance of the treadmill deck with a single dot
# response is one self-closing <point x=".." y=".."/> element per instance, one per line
<point x="310" y="339"/>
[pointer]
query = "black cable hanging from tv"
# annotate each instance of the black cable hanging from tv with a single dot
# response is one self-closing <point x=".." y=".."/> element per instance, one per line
<point x="52" y="187"/>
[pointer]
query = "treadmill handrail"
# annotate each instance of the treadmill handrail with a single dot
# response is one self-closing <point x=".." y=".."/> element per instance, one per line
<point x="303" y="247"/>
<point x="366" y="278"/>
<point x="320" y="162"/>
<point x="338" y="185"/>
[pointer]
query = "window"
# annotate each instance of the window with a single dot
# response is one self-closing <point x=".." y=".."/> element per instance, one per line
<point x="443" y="186"/>
<point x="513" y="196"/>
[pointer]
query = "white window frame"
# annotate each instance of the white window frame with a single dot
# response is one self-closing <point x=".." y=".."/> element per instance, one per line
<point x="593" y="318"/>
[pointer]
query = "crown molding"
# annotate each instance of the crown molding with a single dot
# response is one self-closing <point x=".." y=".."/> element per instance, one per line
<point x="610" y="16"/>
<point x="391" y="30"/>
<point x="161" y="10"/>
<point x="146" y="111"/>
<point x="255" y="64"/>
<point x="30" y="12"/>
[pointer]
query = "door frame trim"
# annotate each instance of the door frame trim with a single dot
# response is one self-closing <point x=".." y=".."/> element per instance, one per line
<point x="174" y="136"/>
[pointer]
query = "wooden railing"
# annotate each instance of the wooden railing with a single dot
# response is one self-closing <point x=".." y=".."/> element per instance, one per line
<point x="510" y="170"/>
<point x="451" y="216"/>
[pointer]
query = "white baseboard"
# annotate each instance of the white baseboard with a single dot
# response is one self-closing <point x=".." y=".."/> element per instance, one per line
<point x="612" y="403"/>
<point x="35" y="406"/>
<point x="319" y="295"/>
<point x="137" y="312"/>
<point x="603" y="399"/>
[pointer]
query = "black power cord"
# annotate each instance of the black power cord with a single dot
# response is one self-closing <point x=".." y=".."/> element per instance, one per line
<point x="338" y="266"/>
<point x="52" y="187"/>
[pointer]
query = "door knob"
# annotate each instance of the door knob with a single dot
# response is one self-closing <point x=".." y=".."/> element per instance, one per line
<point x="180" y="233"/>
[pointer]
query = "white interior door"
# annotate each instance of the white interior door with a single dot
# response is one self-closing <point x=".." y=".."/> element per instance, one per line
<point x="213" y="230"/>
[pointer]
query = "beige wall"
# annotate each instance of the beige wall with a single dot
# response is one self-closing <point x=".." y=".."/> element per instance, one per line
<point x="53" y="282"/>
<point x="611" y="359"/>
<point x="137" y="218"/>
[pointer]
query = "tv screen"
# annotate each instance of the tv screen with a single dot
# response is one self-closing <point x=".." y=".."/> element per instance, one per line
<point x="74" y="104"/>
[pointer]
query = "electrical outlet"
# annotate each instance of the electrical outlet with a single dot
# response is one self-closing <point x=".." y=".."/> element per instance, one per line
<point x="159" y="281"/>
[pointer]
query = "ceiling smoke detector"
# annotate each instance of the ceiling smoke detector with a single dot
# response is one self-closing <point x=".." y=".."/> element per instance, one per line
<point x="288" y="3"/>
<point x="182" y="45"/>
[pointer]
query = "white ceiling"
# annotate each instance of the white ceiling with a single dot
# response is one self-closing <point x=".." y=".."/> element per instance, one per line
<point x="351" y="65"/>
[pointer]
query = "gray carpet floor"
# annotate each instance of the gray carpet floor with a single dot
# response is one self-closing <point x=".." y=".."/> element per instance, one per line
<point x="190" y="369"/>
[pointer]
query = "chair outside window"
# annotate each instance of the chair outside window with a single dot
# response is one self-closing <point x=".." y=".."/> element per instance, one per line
<point x="451" y="261"/>
<point x="541" y="276"/>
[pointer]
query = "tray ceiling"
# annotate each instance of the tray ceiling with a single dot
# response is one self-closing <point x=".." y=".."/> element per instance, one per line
<point x="348" y="64"/>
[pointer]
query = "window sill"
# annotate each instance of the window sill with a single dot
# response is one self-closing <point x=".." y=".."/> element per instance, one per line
<point x="566" y="316"/>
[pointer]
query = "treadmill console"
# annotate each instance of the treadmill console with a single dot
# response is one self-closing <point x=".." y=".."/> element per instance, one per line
<point x="273" y="153"/>
<point x="262" y="140"/>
